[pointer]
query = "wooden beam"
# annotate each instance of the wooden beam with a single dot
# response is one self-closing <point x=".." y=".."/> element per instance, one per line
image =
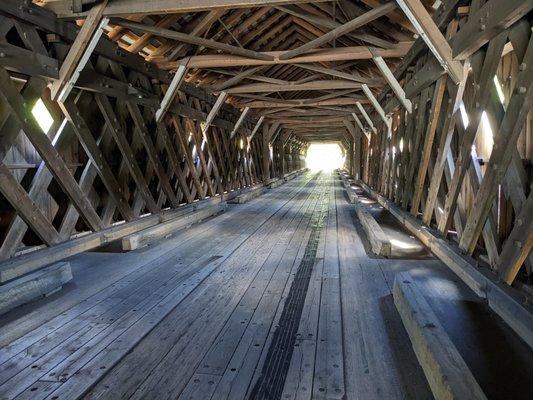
<point x="79" y="52"/>
<point x="339" y="31"/>
<point x="484" y="283"/>
<point x="239" y="122"/>
<point x="191" y="39"/>
<point x="435" y="40"/>
<point x="26" y="208"/>
<point x="491" y="19"/>
<point x="393" y="82"/>
<point x="331" y="95"/>
<point x="429" y="136"/>
<point x="125" y="149"/>
<point x="322" y="55"/>
<point x="257" y="125"/>
<point x="360" y="125"/>
<point x="338" y="74"/>
<point x="64" y="8"/>
<point x="237" y="78"/>
<point x="214" y="111"/>
<point x="171" y="92"/>
<point x="345" y="101"/>
<point x="376" y="105"/>
<point x="447" y="373"/>
<point x="518" y="244"/>
<point x="312" y="21"/>
<point x="314" y="85"/>
<point x="365" y="115"/>
<point x="444" y="149"/>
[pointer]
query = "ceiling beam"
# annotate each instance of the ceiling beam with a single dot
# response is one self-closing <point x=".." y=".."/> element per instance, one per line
<point x="191" y="39"/>
<point x="67" y="9"/>
<point x="432" y="36"/>
<point x="331" y="95"/>
<point x="171" y="93"/>
<point x="214" y="111"/>
<point x="322" y="55"/>
<point x="238" y="78"/>
<point x="314" y="85"/>
<point x="393" y="83"/>
<point x="334" y="72"/>
<point x="257" y="125"/>
<point x="340" y="30"/>
<point x="376" y="105"/>
<point x="367" y="118"/>
<point x="79" y="53"/>
<point x="299" y="103"/>
<point x="239" y="122"/>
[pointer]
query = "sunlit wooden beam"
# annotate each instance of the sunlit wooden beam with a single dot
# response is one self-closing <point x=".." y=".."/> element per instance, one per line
<point x="214" y="111"/>
<point x="376" y="105"/>
<point x="171" y="92"/>
<point x="79" y="53"/>
<point x="393" y="82"/>
<point x="432" y="36"/>
<point x="239" y="122"/>
<point x="261" y="119"/>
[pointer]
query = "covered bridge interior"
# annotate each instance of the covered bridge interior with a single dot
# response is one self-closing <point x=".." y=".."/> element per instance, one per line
<point x="165" y="235"/>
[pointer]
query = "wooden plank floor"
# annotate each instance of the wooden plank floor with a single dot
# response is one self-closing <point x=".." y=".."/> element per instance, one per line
<point x="202" y="314"/>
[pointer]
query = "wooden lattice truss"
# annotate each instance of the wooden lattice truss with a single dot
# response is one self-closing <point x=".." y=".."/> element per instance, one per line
<point x="157" y="104"/>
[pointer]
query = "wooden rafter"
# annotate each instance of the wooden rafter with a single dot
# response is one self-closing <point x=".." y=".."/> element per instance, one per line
<point x="325" y="55"/>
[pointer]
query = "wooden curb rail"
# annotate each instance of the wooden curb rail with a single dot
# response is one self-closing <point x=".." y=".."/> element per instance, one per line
<point x="447" y="373"/>
<point x="501" y="298"/>
<point x="41" y="283"/>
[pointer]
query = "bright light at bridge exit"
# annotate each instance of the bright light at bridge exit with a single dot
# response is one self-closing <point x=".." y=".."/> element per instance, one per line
<point x="324" y="157"/>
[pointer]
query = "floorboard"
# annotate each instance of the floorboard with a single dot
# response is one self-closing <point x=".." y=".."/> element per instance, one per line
<point x="278" y="298"/>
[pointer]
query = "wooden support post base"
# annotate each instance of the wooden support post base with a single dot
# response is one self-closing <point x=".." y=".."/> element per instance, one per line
<point x="41" y="283"/>
<point x="448" y="375"/>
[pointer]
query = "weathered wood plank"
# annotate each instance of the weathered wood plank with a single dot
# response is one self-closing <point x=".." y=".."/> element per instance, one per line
<point x="448" y="375"/>
<point x="381" y="244"/>
<point x="33" y="286"/>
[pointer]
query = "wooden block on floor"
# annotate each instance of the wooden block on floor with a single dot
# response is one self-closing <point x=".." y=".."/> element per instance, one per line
<point x="147" y="236"/>
<point x="294" y="174"/>
<point x="249" y="195"/>
<point x="274" y="183"/>
<point x="22" y="290"/>
<point x="379" y="241"/>
<point x="448" y="375"/>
